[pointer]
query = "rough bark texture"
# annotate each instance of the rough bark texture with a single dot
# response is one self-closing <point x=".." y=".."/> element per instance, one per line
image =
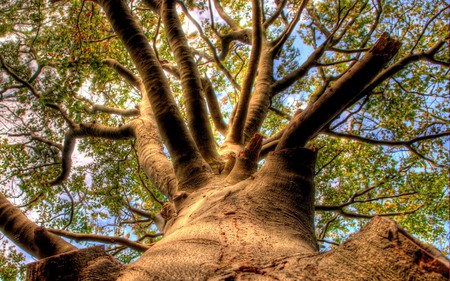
<point x="261" y="228"/>
<point x="381" y="250"/>
<point x="87" y="264"/>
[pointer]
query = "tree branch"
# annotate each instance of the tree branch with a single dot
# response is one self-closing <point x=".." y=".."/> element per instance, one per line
<point x="234" y="26"/>
<point x="100" y="238"/>
<point x="407" y="144"/>
<point x="279" y="42"/>
<point x="300" y="72"/>
<point x="235" y="134"/>
<point x="196" y="113"/>
<point x="95" y="108"/>
<point x="87" y="130"/>
<point x="275" y="15"/>
<point x="35" y="240"/>
<point x="338" y="97"/>
<point x="214" y="107"/>
<point x="189" y="166"/>
<point x="213" y="51"/>
<point x="124" y="72"/>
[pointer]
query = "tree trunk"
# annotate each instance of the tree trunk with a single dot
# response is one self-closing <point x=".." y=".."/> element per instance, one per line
<point x="263" y="229"/>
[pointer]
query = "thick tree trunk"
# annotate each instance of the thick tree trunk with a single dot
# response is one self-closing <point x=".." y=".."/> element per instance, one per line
<point x="262" y="228"/>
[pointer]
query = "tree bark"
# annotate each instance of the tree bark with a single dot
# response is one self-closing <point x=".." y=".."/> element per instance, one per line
<point x="87" y="264"/>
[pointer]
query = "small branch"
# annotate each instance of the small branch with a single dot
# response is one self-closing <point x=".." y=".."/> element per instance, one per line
<point x="335" y="62"/>
<point x="300" y="72"/>
<point x="386" y="142"/>
<point x="72" y="206"/>
<point x="16" y="77"/>
<point x="324" y="230"/>
<point x="329" y="162"/>
<point x="275" y="15"/>
<point x="347" y="51"/>
<point x="407" y="144"/>
<point x="214" y="107"/>
<point x="139" y="211"/>
<point x="101" y="238"/>
<point x="213" y="51"/>
<point x="426" y="26"/>
<point x="327" y="241"/>
<point x="124" y="72"/>
<point x="46" y="141"/>
<point x="95" y="108"/>
<point x="280" y="113"/>
<point x="281" y="40"/>
<point x="393" y="214"/>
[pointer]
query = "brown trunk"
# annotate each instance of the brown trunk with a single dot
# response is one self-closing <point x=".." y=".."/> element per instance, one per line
<point x="262" y="228"/>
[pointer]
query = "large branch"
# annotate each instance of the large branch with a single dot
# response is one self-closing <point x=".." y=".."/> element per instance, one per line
<point x="197" y="115"/>
<point x="235" y="134"/>
<point x="27" y="235"/>
<point x="189" y="166"/>
<point x="340" y="95"/>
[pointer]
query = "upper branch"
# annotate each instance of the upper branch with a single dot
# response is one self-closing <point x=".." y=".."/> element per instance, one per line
<point x="294" y="76"/>
<point x="407" y="144"/>
<point x="189" y="166"/>
<point x="275" y="15"/>
<point x="213" y="50"/>
<point x="197" y="115"/>
<point x="236" y="131"/>
<point x="124" y="72"/>
<point x="214" y="107"/>
<point x="225" y="16"/>
<point x="110" y="110"/>
<point x="279" y="42"/>
<point x="342" y="93"/>
<point x="401" y="64"/>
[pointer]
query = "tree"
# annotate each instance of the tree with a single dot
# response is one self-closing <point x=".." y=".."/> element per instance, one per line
<point x="251" y="135"/>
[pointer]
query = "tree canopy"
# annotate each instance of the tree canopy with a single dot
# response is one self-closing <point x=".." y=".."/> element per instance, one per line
<point x="72" y="86"/>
